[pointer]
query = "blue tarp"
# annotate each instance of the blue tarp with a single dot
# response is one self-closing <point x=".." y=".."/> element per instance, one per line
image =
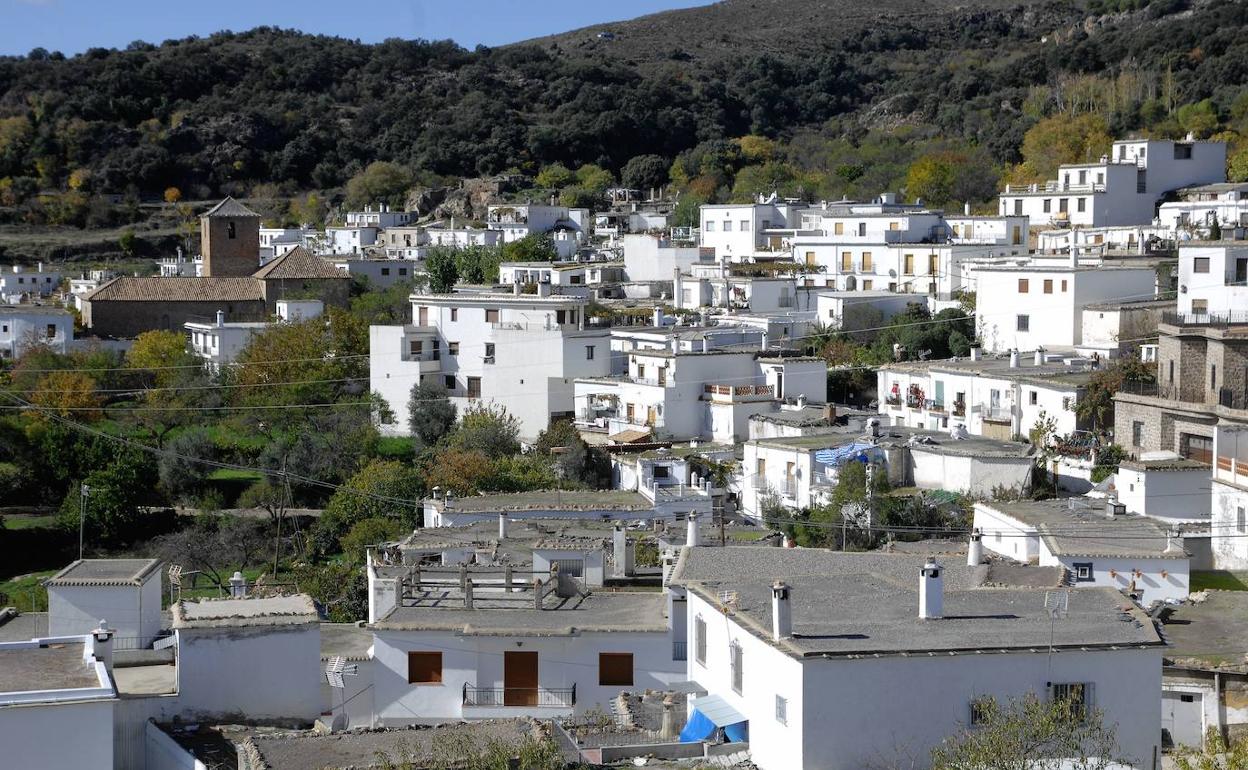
<point x="698" y="728"/>
<point x="857" y="451"/>
<point x="738" y="733"/>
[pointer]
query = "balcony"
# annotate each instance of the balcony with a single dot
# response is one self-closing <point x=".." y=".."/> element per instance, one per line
<point x="1215" y="320"/>
<point x="788" y="490"/>
<point x="1054" y="186"/>
<point x="893" y="399"/>
<point x="997" y="414"/>
<point x="936" y="406"/>
<point x="532" y="697"/>
<point x="959" y="409"/>
<point x="731" y="393"/>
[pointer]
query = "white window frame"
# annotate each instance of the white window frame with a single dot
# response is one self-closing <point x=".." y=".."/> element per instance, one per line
<point x="782" y="709"/>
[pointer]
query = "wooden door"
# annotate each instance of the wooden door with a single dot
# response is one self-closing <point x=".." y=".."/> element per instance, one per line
<point x="422" y="316"/>
<point x="519" y="678"/>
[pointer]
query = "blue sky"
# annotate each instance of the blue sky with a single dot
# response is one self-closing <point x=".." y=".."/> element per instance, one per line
<point x="72" y="26"/>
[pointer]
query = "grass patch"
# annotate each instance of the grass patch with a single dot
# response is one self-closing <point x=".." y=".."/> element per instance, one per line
<point x="396" y="448"/>
<point x="28" y="522"/>
<point x="748" y="535"/>
<point x="1220" y="580"/>
<point x="26" y="592"/>
<point x="234" y="474"/>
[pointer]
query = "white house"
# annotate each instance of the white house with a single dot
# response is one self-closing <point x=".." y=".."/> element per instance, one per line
<point x="996" y="397"/>
<point x="1094" y="243"/>
<point x="854" y="310"/>
<point x="1229" y="498"/>
<point x="24" y="326"/>
<point x="181" y="266"/>
<point x="572" y="278"/>
<point x="655" y="258"/>
<point x="87" y="283"/>
<point x="1122" y="188"/>
<point x="705" y="393"/>
<point x="1094" y="541"/>
<point x="842" y="661"/>
<point x="57" y="701"/>
<point x="380" y="273"/>
<point x="521" y="352"/>
<point x="1114" y="329"/>
<point x="344" y="240"/>
<point x="220" y="342"/>
<point x="257" y="657"/>
<point x="276" y="241"/>
<point x="541" y="648"/>
<point x="1170" y="488"/>
<point x="736" y="231"/>
<point x="566" y="227"/>
<point x="380" y="216"/>
<point x="1198" y="207"/>
<point x="798" y="472"/>
<point x="19" y="283"/>
<point x="1213" y="280"/>
<point x="125" y="592"/>
<point x="1023" y="308"/>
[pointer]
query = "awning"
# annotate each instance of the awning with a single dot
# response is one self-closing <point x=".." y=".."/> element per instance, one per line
<point x="858" y="450"/>
<point x="710" y="714"/>
<point x="630" y="436"/>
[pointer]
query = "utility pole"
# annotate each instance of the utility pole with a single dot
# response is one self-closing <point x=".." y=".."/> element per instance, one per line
<point x="82" y="516"/>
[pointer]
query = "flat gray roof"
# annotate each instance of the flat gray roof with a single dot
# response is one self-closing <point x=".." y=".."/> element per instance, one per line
<point x="46" y="667"/>
<point x="293" y="610"/>
<point x="1080" y="527"/>
<point x="853" y="605"/>
<point x="495" y="613"/>
<point x="1209" y="633"/>
<point x="106" y="572"/>
<point x="590" y="501"/>
<point x="348" y="640"/>
<point x="990" y="365"/>
<point x="936" y="442"/>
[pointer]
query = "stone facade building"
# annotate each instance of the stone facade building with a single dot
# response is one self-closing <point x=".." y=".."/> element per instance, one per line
<point x="129" y="306"/>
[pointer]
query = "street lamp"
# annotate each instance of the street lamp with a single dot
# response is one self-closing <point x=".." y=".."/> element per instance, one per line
<point x="82" y="516"/>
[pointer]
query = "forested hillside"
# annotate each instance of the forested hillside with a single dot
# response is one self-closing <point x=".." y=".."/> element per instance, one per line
<point x="835" y="97"/>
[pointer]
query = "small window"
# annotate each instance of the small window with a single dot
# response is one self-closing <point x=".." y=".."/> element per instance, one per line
<point x="449" y="381"/>
<point x="699" y="640"/>
<point x="415" y="348"/>
<point x="454" y="314"/>
<point x="981" y="711"/>
<point x="424" y="668"/>
<point x="615" y="669"/>
<point x="385" y="271"/>
<point x="1200" y="265"/>
<point x="229" y="230"/>
<point x="782" y="710"/>
<point x="1081" y="204"/>
<point x="735" y="663"/>
<point x="710" y="226"/>
<point x="403" y="271"/>
<point x="51" y="331"/>
<point x="589" y="352"/>
<point x="1024" y="323"/>
<point x="474" y="387"/>
<point x="1187" y="698"/>
<point x="1137" y="433"/>
<point x="1048" y="205"/>
<point x="1076" y="697"/>
<point x="745" y="226"/>
<point x="1033" y="397"/>
<point x="1023" y="285"/>
<point x="1063" y="285"/>
<point x="1083" y="572"/>
<point x="452" y="348"/>
<point x="489" y="352"/>
<point x="491" y="315"/>
<point x="1241" y="525"/>
<point x="1048" y="285"/>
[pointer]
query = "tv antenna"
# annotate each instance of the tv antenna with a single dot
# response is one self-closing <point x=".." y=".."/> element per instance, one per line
<point x="335" y="670"/>
<point x="1056" y="604"/>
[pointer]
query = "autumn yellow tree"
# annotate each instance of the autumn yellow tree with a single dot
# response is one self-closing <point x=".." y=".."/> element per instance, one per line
<point x="1061" y="139"/>
<point x="172" y="195"/>
<point x="67" y="394"/>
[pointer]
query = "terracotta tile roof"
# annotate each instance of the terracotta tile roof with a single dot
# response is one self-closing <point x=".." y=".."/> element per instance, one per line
<point x="178" y="289"/>
<point x="298" y="263"/>
<point x="230" y="208"/>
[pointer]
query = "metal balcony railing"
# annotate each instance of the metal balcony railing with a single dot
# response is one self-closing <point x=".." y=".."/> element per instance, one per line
<point x="1228" y="318"/>
<point x="540" y="697"/>
<point x="680" y="651"/>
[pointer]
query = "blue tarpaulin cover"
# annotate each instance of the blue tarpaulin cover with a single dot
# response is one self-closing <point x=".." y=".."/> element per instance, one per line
<point x="698" y="728"/>
<point x="709" y="713"/>
<point x="858" y="450"/>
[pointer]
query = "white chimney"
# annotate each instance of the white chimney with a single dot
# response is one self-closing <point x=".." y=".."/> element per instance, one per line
<point x="1074" y="251"/>
<point x="931" y="591"/>
<point x="966" y="208"/>
<point x="706" y="344"/>
<point x="781" y="611"/>
<point x="1014" y="358"/>
<point x="102" y="645"/>
<point x="220" y="318"/>
<point x="515" y="285"/>
<point x="691" y="531"/>
<point x="622" y="551"/>
<point x="238" y="586"/>
<point x="764" y="343"/>
<point x="502" y="526"/>
<point x="657" y="317"/>
<point x="1038" y="359"/>
<point x="975" y="551"/>
<point x="976" y="352"/>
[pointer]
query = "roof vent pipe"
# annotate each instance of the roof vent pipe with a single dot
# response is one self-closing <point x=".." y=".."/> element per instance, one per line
<point x="931" y="591"/>
<point x="1038" y="360"/>
<point x="781" y="612"/>
<point x="1014" y="358"/>
<point x="691" y="531"/>
<point x="502" y="526"/>
<point x="975" y="551"/>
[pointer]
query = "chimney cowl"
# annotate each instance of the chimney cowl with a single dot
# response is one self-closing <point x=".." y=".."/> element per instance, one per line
<point x="931" y="590"/>
<point x="781" y="611"/>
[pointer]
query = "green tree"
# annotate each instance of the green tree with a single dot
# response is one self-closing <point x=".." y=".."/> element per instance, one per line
<point x="379" y="182"/>
<point x="309" y="362"/>
<point x="1216" y="754"/>
<point x="644" y="172"/>
<point x="531" y="248"/>
<point x="931" y="178"/>
<point x="340" y="589"/>
<point x="381" y="489"/>
<point x="1030" y="734"/>
<point x="555" y="176"/>
<point x="115" y="493"/>
<point x="1199" y="118"/>
<point x="128" y="242"/>
<point x="1061" y="139"/>
<point x="181" y="477"/>
<point x="1096" y="407"/>
<point x="162" y="353"/>
<point x="367" y="533"/>
<point x="487" y="429"/>
<point x="431" y="413"/>
<point x="441" y="265"/>
<point x="572" y="458"/>
<point x="593" y="178"/>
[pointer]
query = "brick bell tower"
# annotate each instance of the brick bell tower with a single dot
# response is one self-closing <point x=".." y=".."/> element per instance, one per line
<point x="229" y="238"/>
